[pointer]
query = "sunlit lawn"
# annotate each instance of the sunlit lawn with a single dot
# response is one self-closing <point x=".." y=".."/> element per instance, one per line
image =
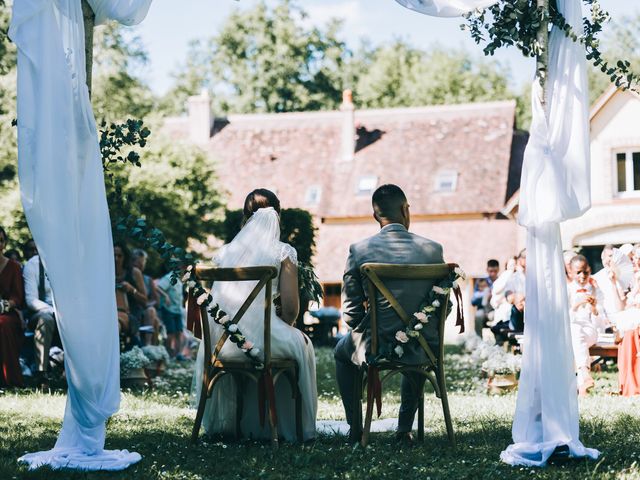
<point x="157" y="424"/>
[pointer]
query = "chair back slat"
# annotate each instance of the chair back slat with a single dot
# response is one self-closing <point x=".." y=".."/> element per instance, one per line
<point x="374" y="272"/>
<point x="263" y="275"/>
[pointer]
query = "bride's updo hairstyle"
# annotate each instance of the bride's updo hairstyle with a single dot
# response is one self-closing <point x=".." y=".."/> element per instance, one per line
<point x="259" y="198"/>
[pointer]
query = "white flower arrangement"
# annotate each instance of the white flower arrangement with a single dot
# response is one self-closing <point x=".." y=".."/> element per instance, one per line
<point x="132" y="360"/>
<point x="156" y="353"/>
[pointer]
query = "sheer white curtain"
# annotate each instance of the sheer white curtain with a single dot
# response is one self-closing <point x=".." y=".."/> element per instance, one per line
<point x="555" y="186"/>
<point x="63" y="196"/>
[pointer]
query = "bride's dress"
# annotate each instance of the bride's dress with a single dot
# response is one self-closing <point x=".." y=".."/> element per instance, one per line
<point x="258" y="244"/>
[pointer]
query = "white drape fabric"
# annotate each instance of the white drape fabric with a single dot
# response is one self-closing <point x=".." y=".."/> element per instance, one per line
<point x="258" y="244"/>
<point x="555" y="186"/>
<point x="445" y="8"/>
<point x="63" y="196"/>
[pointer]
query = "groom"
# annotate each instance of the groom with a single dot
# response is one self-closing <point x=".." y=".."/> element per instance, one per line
<point x="393" y="244"/>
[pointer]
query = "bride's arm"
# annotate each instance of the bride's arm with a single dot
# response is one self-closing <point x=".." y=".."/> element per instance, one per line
<point x="289" y="294"/>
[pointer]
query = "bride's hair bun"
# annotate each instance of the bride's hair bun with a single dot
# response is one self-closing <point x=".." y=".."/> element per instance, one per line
<point x="260" y="198"/>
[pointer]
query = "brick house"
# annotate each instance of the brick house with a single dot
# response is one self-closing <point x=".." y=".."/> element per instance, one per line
<point x="458" y="164"/>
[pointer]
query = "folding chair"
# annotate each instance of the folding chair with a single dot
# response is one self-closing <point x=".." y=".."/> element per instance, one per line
<point x="215" y="367"/>
<point x="432" y="369"/>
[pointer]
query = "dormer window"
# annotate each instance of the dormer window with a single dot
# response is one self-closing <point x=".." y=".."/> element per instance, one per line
<point x="628" y="172"/>
<point x="366" y="184"/>
<point x="312" y="195"/>
<point x="446" y="181"/>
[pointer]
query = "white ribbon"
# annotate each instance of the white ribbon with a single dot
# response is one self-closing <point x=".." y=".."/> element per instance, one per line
<point x="445" y="8"/>
<point x="63" y="196"/>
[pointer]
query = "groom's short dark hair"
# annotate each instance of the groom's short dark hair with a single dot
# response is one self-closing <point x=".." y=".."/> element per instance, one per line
<point x="388" y="200"/>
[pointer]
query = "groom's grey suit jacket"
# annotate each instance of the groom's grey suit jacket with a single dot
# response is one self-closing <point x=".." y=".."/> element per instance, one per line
<point x="393" y="244"/>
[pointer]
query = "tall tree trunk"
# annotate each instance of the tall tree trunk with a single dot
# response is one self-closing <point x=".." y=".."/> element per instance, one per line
<point x="89" y="22"/>
<point x="542" y="64"/>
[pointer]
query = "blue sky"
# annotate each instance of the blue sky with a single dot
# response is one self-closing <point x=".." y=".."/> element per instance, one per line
<point x="168" y="29"/>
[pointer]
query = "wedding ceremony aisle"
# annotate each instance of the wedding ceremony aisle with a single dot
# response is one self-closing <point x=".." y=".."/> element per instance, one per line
<point x="158" y="423"/>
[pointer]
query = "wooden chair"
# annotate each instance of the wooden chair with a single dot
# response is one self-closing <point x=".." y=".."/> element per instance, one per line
<point x="215" y="367"/>
<point x="433" y="369"/>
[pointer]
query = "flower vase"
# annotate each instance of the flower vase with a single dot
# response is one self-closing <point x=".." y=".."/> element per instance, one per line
<point x="134" y="378"/>
<point x="500" y="383"/>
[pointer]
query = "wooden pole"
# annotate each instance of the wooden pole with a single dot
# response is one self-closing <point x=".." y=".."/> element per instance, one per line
<point x="542" y="59"/>
<point x="89" y="23"/>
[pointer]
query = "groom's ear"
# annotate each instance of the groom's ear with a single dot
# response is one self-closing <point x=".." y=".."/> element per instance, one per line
<point x="376" y="217"/>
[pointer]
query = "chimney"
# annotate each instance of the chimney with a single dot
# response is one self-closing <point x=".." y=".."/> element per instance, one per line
<point x="200" y="118"/>
<point x="348" y="127"/>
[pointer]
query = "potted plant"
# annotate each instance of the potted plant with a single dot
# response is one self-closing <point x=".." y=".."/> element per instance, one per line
<point x="502" y="371"/>
<point x="158" y="358"/>
<point x="132" y="364"/>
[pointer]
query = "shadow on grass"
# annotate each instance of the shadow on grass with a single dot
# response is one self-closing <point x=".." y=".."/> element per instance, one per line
<point x="167" y="453"/>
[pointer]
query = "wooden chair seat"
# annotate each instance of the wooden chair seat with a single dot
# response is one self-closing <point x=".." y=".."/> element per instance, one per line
<point x="432" y="370"/>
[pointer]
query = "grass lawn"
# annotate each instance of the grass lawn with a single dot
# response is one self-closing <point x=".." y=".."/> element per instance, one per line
<point x="157" y="424"/>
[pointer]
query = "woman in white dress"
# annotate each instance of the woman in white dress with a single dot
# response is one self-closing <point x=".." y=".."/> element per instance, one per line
<point x="258" y="244"/>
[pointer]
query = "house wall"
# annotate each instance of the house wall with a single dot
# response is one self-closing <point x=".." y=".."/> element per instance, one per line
<point x="612" y="219"/>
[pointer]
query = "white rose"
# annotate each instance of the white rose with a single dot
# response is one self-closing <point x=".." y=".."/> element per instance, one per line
<point x="460" y="273"/>
<point x="254" y="352"/>
<point x="438" y="290"/>
<point x="436" y="303"/>
<point x="418" y="326"/>
<point x="399" y="351"/>
<point x="191" y="284"/>
<point x="421" y="317"/>
<point x="402" y="336"/>
<point x="202" y="298"/>
<point x="189" y="268"/>
<point x="186" y="277"/>
<point x="233" y="328"/>
<point x="224" y="319"/>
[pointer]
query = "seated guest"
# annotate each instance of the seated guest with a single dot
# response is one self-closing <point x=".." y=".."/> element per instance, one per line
<point x="29" y="249"/>
<point x="587" y="318"/>
<point x="14" y="255"/>
<point x="612" y="291"/>
<point x="11" y="301"/>
<point x="482" y="297"/>
<point x="628" y="323"/>
<point x="393" y="244"/>
<point x="150" y="317"/>
<point x="131" y="294"/>
<point x="41" y="316"/>
<point x="172" y="313"/>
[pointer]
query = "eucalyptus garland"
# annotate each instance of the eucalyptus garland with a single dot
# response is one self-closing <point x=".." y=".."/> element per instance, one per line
<point x="430" y="310"/>
<point x="516" y="23"/>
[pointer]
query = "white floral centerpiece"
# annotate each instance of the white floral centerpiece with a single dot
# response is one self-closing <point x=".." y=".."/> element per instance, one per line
<point x="132" y="360"/>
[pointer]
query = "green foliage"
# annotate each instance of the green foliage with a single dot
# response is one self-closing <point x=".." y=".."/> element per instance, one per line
<point x="399" y="75"/>
<point x="117" y="91"/>
<point x="516" y="23"/>
<point x="267" y="59"/>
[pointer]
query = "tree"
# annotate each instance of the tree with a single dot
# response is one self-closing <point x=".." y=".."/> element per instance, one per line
<point x="268" y="60"/>
<point x="621" y="41"/>
<point x="399" y="75"/>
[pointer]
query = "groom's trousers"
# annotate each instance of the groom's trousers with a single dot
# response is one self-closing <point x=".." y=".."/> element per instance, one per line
<point x="346" y="372"/>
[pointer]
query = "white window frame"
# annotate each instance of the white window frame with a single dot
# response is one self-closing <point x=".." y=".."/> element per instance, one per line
<point x="366" y="178"/>
<point x="450" y="176"/>
<point x="629" y="191"/>
<point x="316" y="191"/>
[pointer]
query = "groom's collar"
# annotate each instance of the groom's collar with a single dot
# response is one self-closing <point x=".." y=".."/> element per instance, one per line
<point x="393" y="227"/>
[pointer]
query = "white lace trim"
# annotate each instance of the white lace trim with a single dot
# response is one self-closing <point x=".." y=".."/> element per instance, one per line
<point x="288" y="252"/>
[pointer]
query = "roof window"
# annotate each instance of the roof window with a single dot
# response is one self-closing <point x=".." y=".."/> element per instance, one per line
<point x="446" y="181"/>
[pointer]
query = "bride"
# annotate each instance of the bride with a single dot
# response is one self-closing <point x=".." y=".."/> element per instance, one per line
<point x="258" y="244"/>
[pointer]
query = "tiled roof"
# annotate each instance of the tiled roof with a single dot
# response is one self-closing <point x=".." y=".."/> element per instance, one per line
<point x="292" y="152"/>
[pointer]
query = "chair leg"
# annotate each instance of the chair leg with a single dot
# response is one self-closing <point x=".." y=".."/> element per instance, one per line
<point x="298" y="400"/>
<point x="421" y="415"/>
<point x="273" y="421"/>
<point x="201" y="405"/>
<point x="367" y="420"/>
<point x="447" y="413"/>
